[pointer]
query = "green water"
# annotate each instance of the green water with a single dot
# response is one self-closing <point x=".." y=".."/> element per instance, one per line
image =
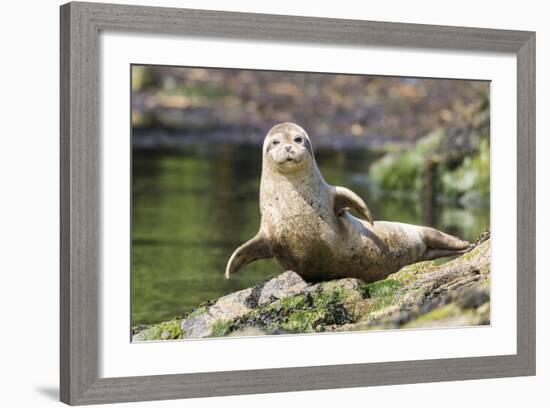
<point x="192" y="207"/>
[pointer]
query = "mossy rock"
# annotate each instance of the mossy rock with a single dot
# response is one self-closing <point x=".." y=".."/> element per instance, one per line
<point x="170" y="330"/>
<point x="452" y="292"/>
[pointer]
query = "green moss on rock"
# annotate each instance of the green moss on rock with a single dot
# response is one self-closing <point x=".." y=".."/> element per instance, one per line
<point x="220" y="328"/>
<point x="426" y="294"/>
<point x="303" y="313"/>
<point x="170" y="330"/>
<point x="382" y="288"/>
<point x="437" y="314"/>
<point x="411" y="273"/>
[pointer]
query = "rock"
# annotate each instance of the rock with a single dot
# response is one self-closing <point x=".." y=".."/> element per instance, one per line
<point x="426" y="294"/>
<point x="286" y="284"/>
<point x="226" y="308"/>
<point x="169" y="330"/>
<point x="197" y="327"/>
<point x="248" y="331"/>
<point x="240" y="303"/>
<point x="231" y="306"/>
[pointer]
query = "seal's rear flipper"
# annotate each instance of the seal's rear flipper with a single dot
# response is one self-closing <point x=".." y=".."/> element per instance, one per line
<point x="345" y="198"/>
<point x="435" y="239"/>
<point x="257" y="248"/>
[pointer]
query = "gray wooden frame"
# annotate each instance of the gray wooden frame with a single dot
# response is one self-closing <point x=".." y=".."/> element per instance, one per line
<point x="80" y="234"/>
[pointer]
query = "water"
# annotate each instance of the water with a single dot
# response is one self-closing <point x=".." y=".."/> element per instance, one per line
<point x="192" y="207"/>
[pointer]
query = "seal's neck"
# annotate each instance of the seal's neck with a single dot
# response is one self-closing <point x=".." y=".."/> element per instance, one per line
<point x="289" y="194"/>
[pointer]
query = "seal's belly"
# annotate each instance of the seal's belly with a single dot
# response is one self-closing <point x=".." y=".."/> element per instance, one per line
<point x="344" y="247"/>
<point x="306" y="242"/>
<point x="320" y="249"/>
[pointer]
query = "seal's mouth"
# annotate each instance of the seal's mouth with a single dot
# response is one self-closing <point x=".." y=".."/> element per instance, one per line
<point x="293" y="157"/>
<point x="291" y="160"/>
<point x="288" y="160"/>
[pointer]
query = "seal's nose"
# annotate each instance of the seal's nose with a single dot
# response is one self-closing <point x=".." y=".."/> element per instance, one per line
<point x="288" y="148"/>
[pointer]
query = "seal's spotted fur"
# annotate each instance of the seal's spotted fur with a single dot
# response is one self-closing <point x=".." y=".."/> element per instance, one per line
<point x="306" y="224"/>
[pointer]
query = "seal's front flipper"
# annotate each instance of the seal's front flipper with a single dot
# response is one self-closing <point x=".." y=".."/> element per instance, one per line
<point x="257" y="248"/>
<point x="345" y="198"/>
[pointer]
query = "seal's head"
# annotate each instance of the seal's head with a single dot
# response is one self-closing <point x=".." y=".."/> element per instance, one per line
<point x="287" y="148"/>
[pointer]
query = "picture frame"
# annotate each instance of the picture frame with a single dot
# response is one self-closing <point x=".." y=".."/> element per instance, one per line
<point x="81" y="24"/>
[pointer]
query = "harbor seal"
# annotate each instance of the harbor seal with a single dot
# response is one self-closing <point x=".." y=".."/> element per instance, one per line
<point x="307" y="227"/>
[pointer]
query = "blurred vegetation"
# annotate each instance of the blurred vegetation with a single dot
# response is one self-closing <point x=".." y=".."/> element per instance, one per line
<point x="174" y="105"/>
<point x="402" y="170"/>
<point x="450" y="163"/>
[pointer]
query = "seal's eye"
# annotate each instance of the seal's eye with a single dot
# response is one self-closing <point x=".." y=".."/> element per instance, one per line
<point x="275" y="142"/>
<point x="298" y="139"/>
